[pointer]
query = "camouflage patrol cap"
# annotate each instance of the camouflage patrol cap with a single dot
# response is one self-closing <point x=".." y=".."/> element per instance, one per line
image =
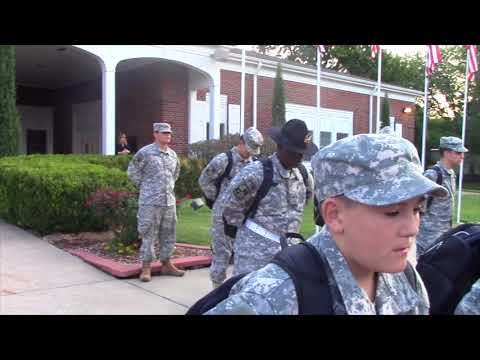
<point x="372" y="169"/>
<point x="253" y="140"/>
<point x="162" y="127"/>
<point x="452" y="143"/>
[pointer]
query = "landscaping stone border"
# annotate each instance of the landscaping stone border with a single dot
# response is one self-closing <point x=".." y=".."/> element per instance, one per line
<point x="123" y="271"/>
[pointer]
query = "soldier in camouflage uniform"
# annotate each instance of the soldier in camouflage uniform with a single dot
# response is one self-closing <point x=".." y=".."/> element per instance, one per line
<point x="222" y="245"/>
<point x="155" y="169"/>
<point x="371" y="188"/>
<point x="437" y="218"/>
<point x="470" y="304"/>
<point x="280" y="211"/>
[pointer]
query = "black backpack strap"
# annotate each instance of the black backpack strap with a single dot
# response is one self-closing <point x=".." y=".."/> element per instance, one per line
<point x="267" y="183"/>
<point x="226" y="173"/>
<point x="304" y="173"/>
<point x="214" y="297"/>
<point x="439" y="182"/>
<point x="308" y="270"/>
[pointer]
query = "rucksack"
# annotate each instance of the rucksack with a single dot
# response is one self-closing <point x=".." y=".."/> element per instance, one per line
<point x="218" y="182"/>
<point x="439" y="182"/>
<point x="307" y="268"/>
<point x="450" y="267"/>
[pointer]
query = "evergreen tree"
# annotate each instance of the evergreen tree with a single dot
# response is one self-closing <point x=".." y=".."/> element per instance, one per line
<point x="278" y="102"/>
<point x="9" y="117"/>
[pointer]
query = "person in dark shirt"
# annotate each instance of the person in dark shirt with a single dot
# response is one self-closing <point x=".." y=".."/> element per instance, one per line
<point x="123" y="148"/>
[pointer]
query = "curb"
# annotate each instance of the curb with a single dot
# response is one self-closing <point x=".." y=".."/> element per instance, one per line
<point x="123" y="271"/>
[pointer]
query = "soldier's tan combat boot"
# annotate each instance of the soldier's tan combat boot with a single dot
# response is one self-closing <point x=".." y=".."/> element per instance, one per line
<point x="146" y="274"/>
<point x="169" y="269"/>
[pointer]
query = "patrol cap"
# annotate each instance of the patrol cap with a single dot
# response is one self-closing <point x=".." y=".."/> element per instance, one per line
<point x="386" y="130"/>
<point x="372" y="169"/>
<point x="162" y="127"/>
<point x="452" y="143"/>
<point x="253" y="140"/>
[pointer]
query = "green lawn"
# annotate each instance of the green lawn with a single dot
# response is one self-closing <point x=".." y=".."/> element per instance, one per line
<point x="193" y="226"/>
<point x="471" y="187"/>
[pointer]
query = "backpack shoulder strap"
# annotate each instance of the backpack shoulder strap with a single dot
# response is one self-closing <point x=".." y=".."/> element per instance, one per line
<point x="304" y="173"/>
<point x="267" y="183"/>
<point x="214" y="297"/>
<point x="439" y="174"/>
<point x="218" y="182"/>
<point x="307" y="269"/>
<point x="439" y="181"/>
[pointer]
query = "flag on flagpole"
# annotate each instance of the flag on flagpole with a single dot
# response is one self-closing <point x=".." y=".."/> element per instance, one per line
<point x="434" y="57"/>
<point x="472" y="61"/>
<point x="374" y="50"/>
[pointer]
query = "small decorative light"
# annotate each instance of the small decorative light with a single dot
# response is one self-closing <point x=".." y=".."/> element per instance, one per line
<point x="407" y="110"/>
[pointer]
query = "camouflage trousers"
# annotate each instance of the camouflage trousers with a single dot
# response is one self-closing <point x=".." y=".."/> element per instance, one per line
<point x="222" y="248"/>
<point x="252" y="251"/>
<point x="156" y="223"/>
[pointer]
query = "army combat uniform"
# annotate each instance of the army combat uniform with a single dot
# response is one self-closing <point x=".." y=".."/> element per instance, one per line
<point x="222" y="244"/>
<point x="155" y="172"/>
<point x="371" y="169"/>
<point x="470" y="304"/>
<point x="437" y="218"/>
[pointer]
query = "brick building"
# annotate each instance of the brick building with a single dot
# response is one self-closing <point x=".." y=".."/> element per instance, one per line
<point x="76" y="99"/>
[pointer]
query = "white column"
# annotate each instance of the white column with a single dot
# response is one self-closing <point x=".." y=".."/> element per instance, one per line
<point x="370" y="117"/>
<point x="379" y="85"/>
<point x="255" y="95"/>
<point x="192" y="96"/>
<point x="108" y="109"/>
<point x="242" y="95"/>
<point x="214" y="103"/>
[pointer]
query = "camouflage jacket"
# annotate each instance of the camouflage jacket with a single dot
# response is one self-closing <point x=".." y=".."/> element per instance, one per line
<point x="270" y="290"/>
<point x="155" y="172"/>
<point x="216" y="168"/>
<point x="281" y="210"/>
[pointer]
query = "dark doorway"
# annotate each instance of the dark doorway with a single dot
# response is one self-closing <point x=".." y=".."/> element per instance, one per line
<point x="36" y="142"/>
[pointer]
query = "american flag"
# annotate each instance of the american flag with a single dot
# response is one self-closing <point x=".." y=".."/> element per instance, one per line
<point x="434" y="57"/>
<point x="322" y="48"/>
<point x="375" y="49"/>
<point x="472" y="61"/>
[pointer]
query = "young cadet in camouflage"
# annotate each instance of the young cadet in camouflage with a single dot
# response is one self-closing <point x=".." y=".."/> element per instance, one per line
<point x="155" y="169"/>
<point x="222" y="244"/>
<point x="470" y="304"/>
<point x="437" y="218"/>
<point x="280" y="211"/>
<point x="371" y="188"/>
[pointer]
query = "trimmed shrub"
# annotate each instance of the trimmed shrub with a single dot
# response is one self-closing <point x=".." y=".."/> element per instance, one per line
<point x="208" y="149"/>
<point x="48" y="193"/>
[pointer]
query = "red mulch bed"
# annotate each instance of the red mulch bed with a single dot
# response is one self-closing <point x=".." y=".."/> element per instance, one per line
<point x="94" y="243"/>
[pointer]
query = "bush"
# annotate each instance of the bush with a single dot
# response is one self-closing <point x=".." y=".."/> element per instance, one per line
<point x="119" y="210"/>
<point x="47" y="193"/>
<point x="208" y="149"/>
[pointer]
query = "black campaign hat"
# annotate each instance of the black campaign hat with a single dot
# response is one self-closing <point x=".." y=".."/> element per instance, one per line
<point x="294" y="136"/>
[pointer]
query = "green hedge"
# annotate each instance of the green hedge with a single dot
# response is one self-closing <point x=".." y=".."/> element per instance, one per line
<point x="47" y="193"/>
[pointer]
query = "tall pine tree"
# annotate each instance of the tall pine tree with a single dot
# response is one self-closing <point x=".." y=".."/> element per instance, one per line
<point x="278" y="102"/>
<point x="9" y="117"/>
<point x="385" y="115"/>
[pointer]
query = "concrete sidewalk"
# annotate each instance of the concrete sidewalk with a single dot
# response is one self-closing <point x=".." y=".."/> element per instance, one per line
<point x="38" y="278"/>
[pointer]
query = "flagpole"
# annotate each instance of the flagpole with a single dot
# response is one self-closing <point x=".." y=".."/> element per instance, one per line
<point x="379" y="81"/>
<point x="465" y="99"/>
<point x="425" y="111"/>
<point x="319" y="75"/>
